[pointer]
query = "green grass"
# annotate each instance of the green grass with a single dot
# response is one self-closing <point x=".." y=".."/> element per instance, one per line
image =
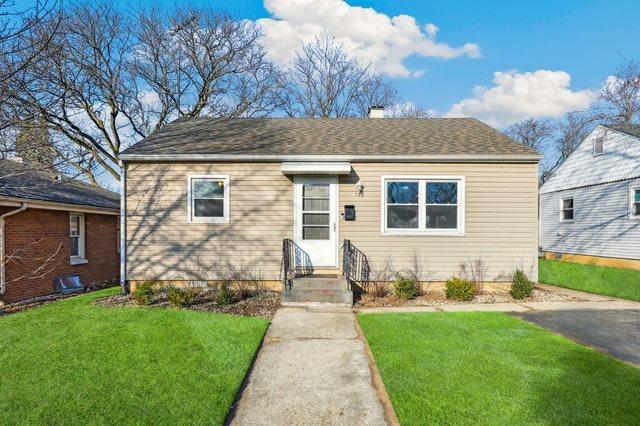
<point x="491" y="368"/>
<point x="74" y="363"/>
<point x="615" y="282"/>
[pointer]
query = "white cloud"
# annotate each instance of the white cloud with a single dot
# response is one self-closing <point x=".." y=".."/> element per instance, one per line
<point x="385" y="41"/>
<point x="516" y="96"/>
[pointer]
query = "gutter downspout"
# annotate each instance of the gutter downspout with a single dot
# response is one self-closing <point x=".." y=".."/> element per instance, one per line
<point x="23" y="207"/>
<point x="123" y="229"/>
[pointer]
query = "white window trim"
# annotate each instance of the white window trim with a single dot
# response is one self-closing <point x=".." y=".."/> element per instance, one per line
<point x="630" y="205"/>
<point x="227" y="189"/>
<point x="422" y="230"/>
<point x="80" y="259"/>
<point x="561" y="202"/>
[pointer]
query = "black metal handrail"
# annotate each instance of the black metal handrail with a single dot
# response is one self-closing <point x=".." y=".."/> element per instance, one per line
<point x="287" y="266"/>
<point x="295" y="261"/>
<point x="355" y="266"/>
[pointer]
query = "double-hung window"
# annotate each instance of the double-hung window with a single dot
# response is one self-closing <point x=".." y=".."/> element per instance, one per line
<point x="566" y="209"/>
<point x="208" y="198"/>
<point x="76" y="238"/>
<point x="634" y="202"/>
<point x="423" y="205"/>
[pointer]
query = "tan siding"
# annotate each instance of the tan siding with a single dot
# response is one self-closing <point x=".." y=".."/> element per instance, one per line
<point x="501" y="220"/>
<point x="162" y="245"/>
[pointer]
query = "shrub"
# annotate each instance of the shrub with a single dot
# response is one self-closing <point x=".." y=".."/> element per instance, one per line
<point x="377" y="289"/>
<point x="225" y="296"/>
<point x="406" y="288"/>
<point x="181" y="297"/>
<point x="459" y="289"/>
<point x="521" y="286"/>
<point x="144" y="293"/>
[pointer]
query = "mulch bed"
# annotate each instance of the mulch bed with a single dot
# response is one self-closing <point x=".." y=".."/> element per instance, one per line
<point x="437" y="298"/>
<point x="258" y="303"/>
<point x="23" y="305"/>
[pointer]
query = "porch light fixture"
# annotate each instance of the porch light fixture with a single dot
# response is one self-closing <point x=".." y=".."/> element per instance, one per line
<point x="359" y="188"/>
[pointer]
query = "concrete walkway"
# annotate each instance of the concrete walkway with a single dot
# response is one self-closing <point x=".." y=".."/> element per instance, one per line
<point x="312" y="369"/>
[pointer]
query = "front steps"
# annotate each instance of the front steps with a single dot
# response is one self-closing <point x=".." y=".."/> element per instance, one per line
<point x="320" y="289"/>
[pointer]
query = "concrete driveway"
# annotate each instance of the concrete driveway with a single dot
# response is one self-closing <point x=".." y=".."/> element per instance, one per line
<point x="312" y="369"/>
<point x="616" y="332"/>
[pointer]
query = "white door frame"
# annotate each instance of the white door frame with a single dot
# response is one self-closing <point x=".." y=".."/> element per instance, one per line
<point x="333" y="214"/>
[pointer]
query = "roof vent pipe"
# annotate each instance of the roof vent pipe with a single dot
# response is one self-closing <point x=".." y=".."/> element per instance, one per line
<point x="376" y="112"/>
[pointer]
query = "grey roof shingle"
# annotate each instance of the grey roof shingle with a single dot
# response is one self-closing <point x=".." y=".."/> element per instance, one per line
<point x="18" y="180"/>
<point x="290" y="136"/>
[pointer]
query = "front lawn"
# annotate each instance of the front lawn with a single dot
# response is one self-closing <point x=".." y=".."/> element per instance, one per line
<point x="615" y="282"/>
<point x="71" y="362"/>
<point x="493" y="368"/>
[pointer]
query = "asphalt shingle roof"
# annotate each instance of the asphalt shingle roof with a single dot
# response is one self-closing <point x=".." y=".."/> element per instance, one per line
<point x="290" y="136"/>
<point x="18" y="180"/>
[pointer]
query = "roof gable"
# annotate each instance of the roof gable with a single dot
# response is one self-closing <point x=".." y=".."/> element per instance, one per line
<point x="326" y="137"/>
<point x="620" y="160"/>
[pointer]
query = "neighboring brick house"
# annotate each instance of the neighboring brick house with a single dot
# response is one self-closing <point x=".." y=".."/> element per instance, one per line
<point x="53" y="226"/>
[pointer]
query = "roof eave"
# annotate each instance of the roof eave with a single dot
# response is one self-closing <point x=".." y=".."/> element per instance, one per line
<point x="457" y="158"/>
<point x="54" y="205"/>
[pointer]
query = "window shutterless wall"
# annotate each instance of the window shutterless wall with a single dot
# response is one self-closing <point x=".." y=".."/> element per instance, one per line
<point x="500" y="219"/>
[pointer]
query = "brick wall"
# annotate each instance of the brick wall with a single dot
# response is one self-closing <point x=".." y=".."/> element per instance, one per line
<point x="38" y="234"/>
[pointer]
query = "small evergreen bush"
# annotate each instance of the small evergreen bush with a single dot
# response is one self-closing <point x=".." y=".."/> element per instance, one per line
<point x="406" y="288"/>
<point x="144" y="293"/>
<point x="459" y="289"/>
<point x="181" y="297"/>
<point x="226" y="296"/>
<point x="521" y="286"/>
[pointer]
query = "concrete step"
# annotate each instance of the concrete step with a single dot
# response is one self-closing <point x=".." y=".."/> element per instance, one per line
<point x="319" y="283"/>
<point x="337" y="297"/>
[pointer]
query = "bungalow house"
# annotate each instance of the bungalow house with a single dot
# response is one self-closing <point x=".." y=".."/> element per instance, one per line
<point x="590" y="206"/>
<point x="272" y="199"/>
<point x="56" y="234"/>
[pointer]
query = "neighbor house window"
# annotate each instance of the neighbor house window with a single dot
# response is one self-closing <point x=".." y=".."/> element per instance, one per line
<point x="423" y="205"/>
<point x="598" y="146"/>
<point x="566" y="209"/>
<point x="634" y="202"/>
<point x="208" y="199"/>
<point x="76" y="236"/>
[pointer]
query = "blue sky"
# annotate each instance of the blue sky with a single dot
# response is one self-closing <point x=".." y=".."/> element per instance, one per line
<point x="586" y="40"/>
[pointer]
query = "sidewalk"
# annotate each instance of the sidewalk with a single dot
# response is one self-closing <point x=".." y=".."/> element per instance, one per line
<point x="312" y="369"/>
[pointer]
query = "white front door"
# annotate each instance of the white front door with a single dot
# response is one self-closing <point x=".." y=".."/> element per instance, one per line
<point x="315" y="220"/>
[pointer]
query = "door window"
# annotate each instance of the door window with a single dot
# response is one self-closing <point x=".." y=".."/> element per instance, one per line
<point x="315" y="211"/>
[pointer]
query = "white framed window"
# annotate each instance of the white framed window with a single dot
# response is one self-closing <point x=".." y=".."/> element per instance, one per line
<point x="422" y="205"/>
<point x="208" y="199"/>
<point x="598" y="146"/>
<point x="566" y="209"/>
<point x="634" y="202"/>
<point x="76" y="239"/>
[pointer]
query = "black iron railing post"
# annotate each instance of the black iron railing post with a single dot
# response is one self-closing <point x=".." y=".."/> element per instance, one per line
<point x="355" y="266"/>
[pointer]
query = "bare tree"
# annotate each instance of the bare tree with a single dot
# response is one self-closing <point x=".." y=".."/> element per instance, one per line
<point x="15" y="21"/>
<point x="407" y="110"/>
<point x="620" y="96"/>
<point x="109" y="78"/>
<point x="324" y="81"/>
<point x="531" y="133"/>
<point x="34" y="146"/>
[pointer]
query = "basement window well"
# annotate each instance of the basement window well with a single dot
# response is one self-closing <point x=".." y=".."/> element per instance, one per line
<point x="68" y="284"/>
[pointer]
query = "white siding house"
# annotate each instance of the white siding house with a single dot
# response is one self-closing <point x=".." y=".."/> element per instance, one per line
<point x="591" y="204"/>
